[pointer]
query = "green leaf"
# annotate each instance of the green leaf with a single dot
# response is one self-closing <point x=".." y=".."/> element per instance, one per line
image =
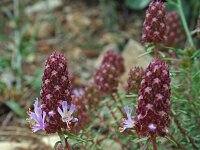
<point x="75" y="137"/>
<point x="62" y="138"/>
<point x="15" y="107"/>
<point x="137" y="4"/>
<point x="131" y="95"/>
<point x="138" y="140"/>
<point x="172" y="141"/>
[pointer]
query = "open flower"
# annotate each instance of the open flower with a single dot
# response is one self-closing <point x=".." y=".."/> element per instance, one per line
<point x="37" y="117"/>
<point x="66" y="113"/>
<point x="127" y="123"/>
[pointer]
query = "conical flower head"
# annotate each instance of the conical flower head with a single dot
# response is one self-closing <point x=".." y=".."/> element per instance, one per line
<point x="91" y="94"/>
<point x="152" y="112"/>
<point x="175" y="34"/>
<point x="134" y="79"/>
<point x="106" y="78"/>
<point x="56" y="88"/>
<point x="154" y="26"/>
<point x="114" y="59"/>
<point x="83" y="113"/>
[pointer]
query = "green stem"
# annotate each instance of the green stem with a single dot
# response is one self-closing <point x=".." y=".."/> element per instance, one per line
<point x="180" y="9"/>
<point x="62" y="139"/>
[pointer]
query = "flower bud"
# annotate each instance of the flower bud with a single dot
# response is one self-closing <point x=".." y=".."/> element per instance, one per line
<point x="154" y="26"/>
<point x="175" y="34"/>
<point x="134" y="79"/>
<point x="114" y="59"/>
<point x="106" y="78"/>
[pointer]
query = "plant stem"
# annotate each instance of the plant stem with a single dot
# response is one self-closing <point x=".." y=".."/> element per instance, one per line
<point x="120" y="100"/>
<point x="153" y="140"/>
<point x="112" y="113"/>
<point x="179" y="145"/>
<point x="119" y="108"/>
<point x="183" y="132"/>
<point x="62" y="139"/>
<point x="189" y="37"/>
<point x="156" y="51"/>
<point x="68" y="146"/>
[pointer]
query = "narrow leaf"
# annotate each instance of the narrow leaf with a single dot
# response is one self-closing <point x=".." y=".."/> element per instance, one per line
<point x="15" y="107"/>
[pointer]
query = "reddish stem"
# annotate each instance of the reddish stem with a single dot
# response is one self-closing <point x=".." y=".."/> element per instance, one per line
<point x="155" y="52"/>
<point x="153" y="140"/>
<point x="179" y="145"/>
<point x="184" y="132"/>
<point x="68" y="146"/>
<point x="112" y="113"/>
<point x="113" y="98"/>
<point x="120" y="100"/>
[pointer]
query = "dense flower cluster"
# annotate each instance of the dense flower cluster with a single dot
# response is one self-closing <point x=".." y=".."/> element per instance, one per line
<point x="134" y="79"/>
<point x="152" y="112"/>
<point x="174" y="32"/>
<point x="83" y="113"/>
<point x="92" y="95"/>
<point x="154" y="26"/>
<point x="114" y="59"/>
<point x="107" y="78"/>
<point x="55" y="111"/>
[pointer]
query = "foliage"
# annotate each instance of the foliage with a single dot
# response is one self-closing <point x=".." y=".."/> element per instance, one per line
<point x="137" y="4"/>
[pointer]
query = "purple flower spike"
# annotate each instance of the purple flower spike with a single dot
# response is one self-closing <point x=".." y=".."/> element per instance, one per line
<point x="67" y="112"/>
<point x="129" y="123"/>
<point x="37" y="117"/>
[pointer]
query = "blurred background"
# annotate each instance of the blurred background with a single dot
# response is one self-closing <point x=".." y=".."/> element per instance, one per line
<point x="30" y="30"/>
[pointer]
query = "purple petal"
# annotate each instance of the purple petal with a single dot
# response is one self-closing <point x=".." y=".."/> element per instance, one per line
<point x="128" y="111"/>
<point x="64" y="107"/>
<point x="72" y="109"/>
<point x="75" y="120"/>
<point x="60" y="112"/>
<point x="152" y="127"/>
<point x="37" y="108"/>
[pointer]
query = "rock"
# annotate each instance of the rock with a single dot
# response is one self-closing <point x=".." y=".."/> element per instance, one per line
<point x="43" y="6"/>
<point x="50" y="140"/>
<point x="6" y="145"/>
<point x="45" y="30"/>
<point x="23" y="145"/>
<point x="130" y="53"/>
<point x="76" y="22"/>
